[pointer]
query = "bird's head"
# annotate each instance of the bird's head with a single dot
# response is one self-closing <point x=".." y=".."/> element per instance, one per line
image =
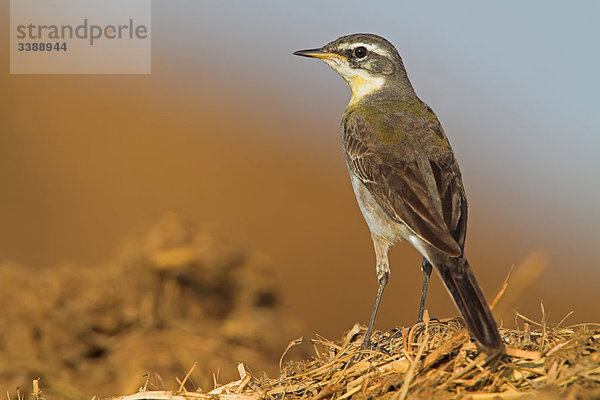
<point x="367" y="62"/>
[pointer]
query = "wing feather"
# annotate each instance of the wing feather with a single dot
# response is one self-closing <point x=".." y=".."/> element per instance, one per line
<point x="414" y="176"/>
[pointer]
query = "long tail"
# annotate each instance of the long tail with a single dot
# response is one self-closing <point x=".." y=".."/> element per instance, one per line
<point x="462" y="285"/>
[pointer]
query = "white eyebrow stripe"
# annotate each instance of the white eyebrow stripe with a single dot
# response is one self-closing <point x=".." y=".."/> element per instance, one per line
<point x="369" y="46"/>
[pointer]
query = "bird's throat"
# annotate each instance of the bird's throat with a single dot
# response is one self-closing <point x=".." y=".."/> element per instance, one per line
<point x="362" y="86"/>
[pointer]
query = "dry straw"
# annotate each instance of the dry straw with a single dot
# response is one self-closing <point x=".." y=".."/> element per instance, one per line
<point x="428" y="360"/>
<point x="431" y="360"/>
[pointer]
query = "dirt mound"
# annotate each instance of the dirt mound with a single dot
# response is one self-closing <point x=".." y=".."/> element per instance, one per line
<point x="173" y="298"/>
<point x="178" y="303"/>
<point x="434" y="360"/>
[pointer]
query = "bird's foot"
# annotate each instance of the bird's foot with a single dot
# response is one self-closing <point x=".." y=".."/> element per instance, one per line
<point x="395" y="333"/>
<point x="375" y="347"/>
<point x="431" y="319"/>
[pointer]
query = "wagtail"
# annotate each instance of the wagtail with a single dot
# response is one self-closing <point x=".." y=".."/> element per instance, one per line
<point x="405" y="176"/>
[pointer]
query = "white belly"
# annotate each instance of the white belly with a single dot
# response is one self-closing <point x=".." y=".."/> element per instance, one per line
<point x="379" y="222"/>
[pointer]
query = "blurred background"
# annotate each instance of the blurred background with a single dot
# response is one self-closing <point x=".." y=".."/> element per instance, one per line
<point x="242" y="138"/>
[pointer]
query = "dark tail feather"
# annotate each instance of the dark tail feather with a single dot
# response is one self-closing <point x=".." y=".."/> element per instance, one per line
<point x="467" y="296"/>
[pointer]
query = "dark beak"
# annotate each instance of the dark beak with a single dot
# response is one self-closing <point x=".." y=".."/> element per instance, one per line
<point x="317" y="53"/>
<point x="313" y="53"/>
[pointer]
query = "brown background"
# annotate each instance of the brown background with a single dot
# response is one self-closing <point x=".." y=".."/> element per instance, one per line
<point x="87" y="160"/>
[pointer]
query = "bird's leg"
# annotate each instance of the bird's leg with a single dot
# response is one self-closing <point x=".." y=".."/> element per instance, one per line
<point x="383" y="275"/>
<point x="426" y="267"/>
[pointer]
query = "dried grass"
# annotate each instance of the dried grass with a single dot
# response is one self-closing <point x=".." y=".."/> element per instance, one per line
<point x="429" y="360"/>
<point x="145" y="303"/>
<point x="433" y="360"/>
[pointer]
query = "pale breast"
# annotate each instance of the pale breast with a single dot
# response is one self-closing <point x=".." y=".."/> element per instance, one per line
<point x="379" y="222"/>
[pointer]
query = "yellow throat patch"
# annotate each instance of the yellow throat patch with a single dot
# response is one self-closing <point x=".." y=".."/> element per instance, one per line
<point x="362" y="86"/>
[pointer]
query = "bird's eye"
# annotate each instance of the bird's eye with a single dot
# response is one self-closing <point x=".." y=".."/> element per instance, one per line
<point x="360" y="52"/>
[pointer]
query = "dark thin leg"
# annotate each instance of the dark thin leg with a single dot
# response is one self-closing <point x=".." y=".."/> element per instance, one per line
<point x="426" y="267"/>
<point x="382" y="282"/>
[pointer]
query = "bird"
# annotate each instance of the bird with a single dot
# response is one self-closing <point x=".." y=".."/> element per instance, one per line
<point x="405" y="177"/>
